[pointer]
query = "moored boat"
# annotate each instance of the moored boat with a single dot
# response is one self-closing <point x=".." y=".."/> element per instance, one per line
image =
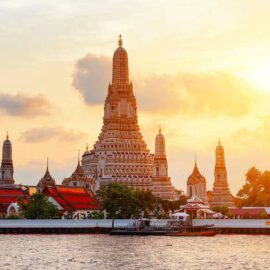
<point x="192" y="233"/>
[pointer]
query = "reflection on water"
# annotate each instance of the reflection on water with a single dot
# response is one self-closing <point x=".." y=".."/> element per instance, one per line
<point x="123" y="252"/>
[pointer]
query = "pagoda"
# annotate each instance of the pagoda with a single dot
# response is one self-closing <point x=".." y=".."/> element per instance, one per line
<point x="7" y="170"/>
<point x="221" y="194"/>
<point x="161" y="182"/>
<point x="120" y="154"/>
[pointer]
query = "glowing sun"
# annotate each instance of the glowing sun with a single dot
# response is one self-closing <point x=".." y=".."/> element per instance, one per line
<point x="260" y="76"/>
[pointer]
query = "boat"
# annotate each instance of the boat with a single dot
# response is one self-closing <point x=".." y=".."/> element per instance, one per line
<point x="192" y="233"/>
<point x="173" y="228"/>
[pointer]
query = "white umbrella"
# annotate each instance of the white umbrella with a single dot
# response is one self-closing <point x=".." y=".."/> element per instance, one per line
<point x="218" y="215"/>
<point x="180" y="214"/>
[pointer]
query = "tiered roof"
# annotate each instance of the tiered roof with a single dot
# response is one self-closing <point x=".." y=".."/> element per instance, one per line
<point x="196" y="177"/>
<point x="46" y="180"/>
<point x="9" y="195"/>
<point x="194" y="203"/>
<point x="78" y="176"/>
<point x="250" y="212"/>
<point x="72" y="198"/>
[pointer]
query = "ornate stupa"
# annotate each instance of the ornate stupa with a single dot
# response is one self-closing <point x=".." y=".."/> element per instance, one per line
<point x="196" y="184"/>
<point x="6" y="176"/>
<point x="221" y="195"/>
<point x="46" y="180"/>
<point x="161" y="182"/>
<point x="120" y="153"/>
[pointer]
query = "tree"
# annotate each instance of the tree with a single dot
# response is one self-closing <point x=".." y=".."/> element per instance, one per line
<point x="38" y="207"/>
<point x="121" y="201"/>
<point x="256" y="190"/>
<point x="224" y="210"/>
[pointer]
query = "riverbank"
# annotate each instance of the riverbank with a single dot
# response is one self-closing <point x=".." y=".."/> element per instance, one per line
<point x="228" y="226"/>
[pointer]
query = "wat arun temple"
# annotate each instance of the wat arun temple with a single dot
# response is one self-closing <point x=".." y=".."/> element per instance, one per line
<point x="120" y="154"/>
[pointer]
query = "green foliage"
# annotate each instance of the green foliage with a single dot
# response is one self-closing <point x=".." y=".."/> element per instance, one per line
<point x="121" y="201"/>
<point x="38" y="207"/>
<point x="96" y="215"/>
<point x="224" y="210"/>
<point x="173" y="205"/>
<point x="256" y="190"/>
<point x="13" y="216"/>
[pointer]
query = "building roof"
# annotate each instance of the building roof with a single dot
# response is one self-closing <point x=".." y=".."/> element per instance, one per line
<point x="47" y="179"/>
<point x="267" y="209"/>
<point x="2" y="208"/>
<point x="78" y="175"/>
<point x="196" y="177"/>
<point x="72" y="198"/>
<point x="247" y="211"/>
<point x="9" y="195"/>
<point x="194" y="203"/>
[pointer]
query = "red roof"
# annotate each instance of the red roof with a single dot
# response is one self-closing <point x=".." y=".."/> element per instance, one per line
<point x="72" y="198"/>
<point x="247" y="212"/>
<point x="10" y="195"/>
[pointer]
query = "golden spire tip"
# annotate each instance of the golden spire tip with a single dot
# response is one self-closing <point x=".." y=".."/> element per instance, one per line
<point x="120" y="41"/>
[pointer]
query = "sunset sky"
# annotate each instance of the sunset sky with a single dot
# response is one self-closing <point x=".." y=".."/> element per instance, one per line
<point x="200" y="69"/>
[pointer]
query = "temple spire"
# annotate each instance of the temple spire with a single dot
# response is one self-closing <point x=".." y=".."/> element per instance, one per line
<point x="7" y="170"/>
<point x="79" y="157"/>
<point x="120" y="41"/>
<point x="120" y="65"/>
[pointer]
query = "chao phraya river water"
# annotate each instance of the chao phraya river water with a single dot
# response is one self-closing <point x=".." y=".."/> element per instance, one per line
<point x="119" y="252"/>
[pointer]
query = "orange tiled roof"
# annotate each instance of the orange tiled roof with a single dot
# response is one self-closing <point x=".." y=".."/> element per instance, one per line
<point x="247" y="211"/>
<point x="72" y="198"/>
<point x="10" y="195"/>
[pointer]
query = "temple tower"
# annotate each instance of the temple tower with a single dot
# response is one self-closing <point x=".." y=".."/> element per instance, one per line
<point x="120" y="153"/>
<point x="6" y="177"/>
<point x="161" y="183"/>
<point x="196" y="184"/>
<point x="221" y="195"/>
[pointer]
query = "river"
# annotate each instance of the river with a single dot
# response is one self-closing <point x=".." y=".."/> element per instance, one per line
<point x="124" y="252"/>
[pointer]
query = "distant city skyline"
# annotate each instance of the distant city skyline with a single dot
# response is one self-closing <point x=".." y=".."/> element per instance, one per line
<point x="202" y="74"/>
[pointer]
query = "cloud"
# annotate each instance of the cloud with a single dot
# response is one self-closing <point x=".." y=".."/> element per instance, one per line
<point x="191" y="94"/>
<point x="253" y="139"/>
<point x="194" y="94"/>
<point x="22" y="105"/>
<point x="37" y="135"/>
<point x="91" y="77"/>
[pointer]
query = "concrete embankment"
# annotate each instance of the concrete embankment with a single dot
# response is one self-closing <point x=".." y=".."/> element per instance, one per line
<point x="229" y="226"/>
<point x="61" y="226"/>
<point x="237" y="226"/>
